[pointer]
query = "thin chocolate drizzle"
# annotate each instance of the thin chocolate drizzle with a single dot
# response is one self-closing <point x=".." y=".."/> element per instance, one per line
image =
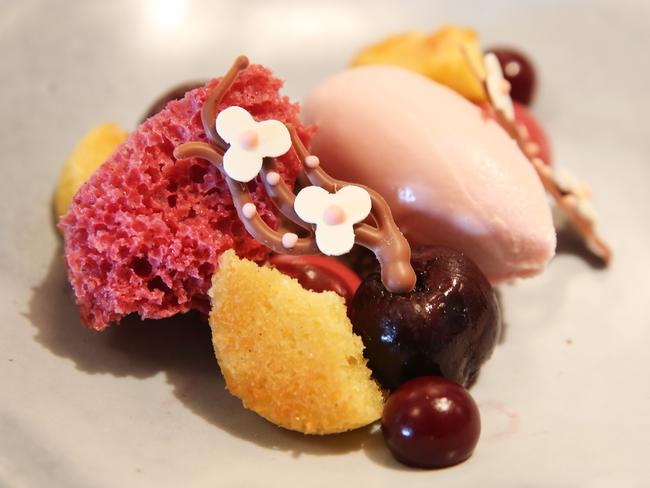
<point x="385" y="240"/>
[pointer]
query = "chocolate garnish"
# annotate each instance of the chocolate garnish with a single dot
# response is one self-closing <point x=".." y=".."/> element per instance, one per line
<point x="573" y="201"/>
<point x="386" y="240"/>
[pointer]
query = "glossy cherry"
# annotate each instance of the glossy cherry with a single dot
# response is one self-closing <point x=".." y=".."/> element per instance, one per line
<point x="447" y="326"/>
<point x="519" y="71"/>
<point x="431" y="422"/>
<point x="319" y="273"/>
<point x="175" y="93"/>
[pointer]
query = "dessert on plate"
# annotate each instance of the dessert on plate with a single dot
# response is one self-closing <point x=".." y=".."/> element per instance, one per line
<point x="224" y="201"/>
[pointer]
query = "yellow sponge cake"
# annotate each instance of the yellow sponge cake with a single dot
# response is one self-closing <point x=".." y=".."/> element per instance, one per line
<point x="288" y="353"/>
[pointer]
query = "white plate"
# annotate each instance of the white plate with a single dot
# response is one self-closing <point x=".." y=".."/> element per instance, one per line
<point x="564" y="400"/>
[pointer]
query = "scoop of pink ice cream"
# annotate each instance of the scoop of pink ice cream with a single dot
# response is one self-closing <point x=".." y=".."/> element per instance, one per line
<point x="145" y="233"/>
<point x="451" y="175"/>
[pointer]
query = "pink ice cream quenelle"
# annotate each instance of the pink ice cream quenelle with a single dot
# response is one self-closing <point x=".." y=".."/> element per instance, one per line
<point x="451" y="175"/>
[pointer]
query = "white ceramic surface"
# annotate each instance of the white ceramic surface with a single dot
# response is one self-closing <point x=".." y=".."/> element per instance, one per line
<point x="564" y="400"/>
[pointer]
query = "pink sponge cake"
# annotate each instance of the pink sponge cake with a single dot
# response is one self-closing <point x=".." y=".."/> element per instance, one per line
<point x="144" y="234"/>
<point x="451" y="175"/>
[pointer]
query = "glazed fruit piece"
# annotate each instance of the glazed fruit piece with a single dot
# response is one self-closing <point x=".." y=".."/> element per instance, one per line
<point x="431" y="422"/>
<point x="318" y="273"/>
<point x="448" y="326"/>
<point x="289" y="354"/>
<point x="438" y="56"/>
<point x="519" y="72"/>
<point x="175" y="93"/>
<point x="89" y="153"/>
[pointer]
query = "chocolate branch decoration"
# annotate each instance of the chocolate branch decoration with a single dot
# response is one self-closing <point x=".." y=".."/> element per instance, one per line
<point x="571" y="196"/>
<point x="384" y="239"/>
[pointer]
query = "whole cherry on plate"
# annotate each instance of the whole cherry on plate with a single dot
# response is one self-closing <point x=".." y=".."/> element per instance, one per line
<point x="431" y="422"/>
<point x="174" y="93"/>
<point x="519" y="71"/>
<point x="319" y="273"/>
<point x="447" y="326"/>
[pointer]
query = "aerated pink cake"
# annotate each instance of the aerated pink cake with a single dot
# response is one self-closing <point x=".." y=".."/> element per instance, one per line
<point x="144" y="234"/>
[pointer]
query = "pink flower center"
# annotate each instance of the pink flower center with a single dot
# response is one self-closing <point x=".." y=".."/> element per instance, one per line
<point x="334" y="215"/>
<point x="249" y="139"/>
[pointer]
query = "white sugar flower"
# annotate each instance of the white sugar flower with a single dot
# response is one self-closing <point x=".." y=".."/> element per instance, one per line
<point x="498" y="87"/>
<point x="334" y="215"/>
<point x="250" y="142"/>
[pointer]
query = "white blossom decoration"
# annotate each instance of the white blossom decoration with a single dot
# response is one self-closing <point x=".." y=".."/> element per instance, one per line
<point x="334" y="215"/>
<point x="250" y="142"/>
<point x="498" y="87"/>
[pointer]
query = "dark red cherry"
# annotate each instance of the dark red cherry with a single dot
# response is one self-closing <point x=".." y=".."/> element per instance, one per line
<point x="519" y="71"/>
<point x="447" y="326"/>
<point x="175" y="93"/>
<point x="431" y="422"/>
<point x="319" y="273"/>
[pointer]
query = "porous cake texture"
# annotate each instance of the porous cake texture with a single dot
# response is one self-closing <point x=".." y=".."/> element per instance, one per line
<point x="145" y="233"/>
<point x="288" y="353"/>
